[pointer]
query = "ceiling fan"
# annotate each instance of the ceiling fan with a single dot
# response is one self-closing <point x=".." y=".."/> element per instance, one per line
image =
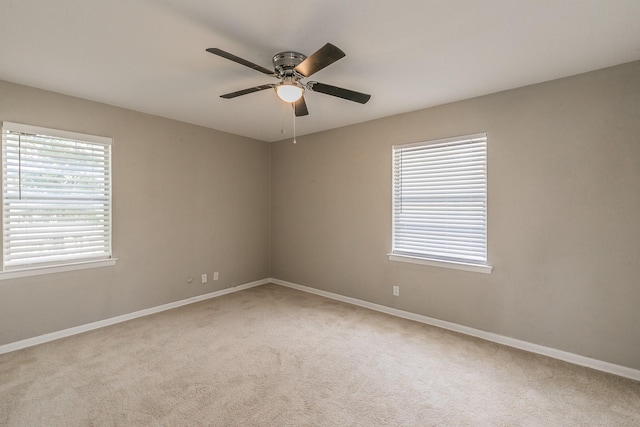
<point x="290" y="68"/>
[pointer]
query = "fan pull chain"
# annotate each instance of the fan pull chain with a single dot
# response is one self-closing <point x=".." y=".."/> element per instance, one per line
<point x="293" y="109"/>
<point x="283" y="113"/>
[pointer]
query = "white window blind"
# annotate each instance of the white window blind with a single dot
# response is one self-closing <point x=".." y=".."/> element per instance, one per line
<point x="440" y="199"/>
<point x="56" y="194"/>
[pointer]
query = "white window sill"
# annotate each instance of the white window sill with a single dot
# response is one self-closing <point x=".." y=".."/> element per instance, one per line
<point x="36" y="271"/>
<point x="486" y="269"/>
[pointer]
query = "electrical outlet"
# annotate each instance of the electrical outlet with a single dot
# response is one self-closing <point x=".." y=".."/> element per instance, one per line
<point x="215" y="276"/>
<point x="396" y="291"/>
<point x="204" y="278"/>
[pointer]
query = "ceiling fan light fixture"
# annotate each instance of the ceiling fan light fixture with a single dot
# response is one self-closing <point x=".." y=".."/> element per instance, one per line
<point x="290" y="68"/>
<point x="289" y="91"/>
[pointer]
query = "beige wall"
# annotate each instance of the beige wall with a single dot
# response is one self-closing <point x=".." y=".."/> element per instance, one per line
<point x="186" y="200"/>
<point x="564" y="215"/>
<point x="564" y="211"/>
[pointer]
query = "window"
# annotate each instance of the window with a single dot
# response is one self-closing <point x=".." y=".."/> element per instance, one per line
<point x="56" y="198"/>
<point x="440" y="203"/>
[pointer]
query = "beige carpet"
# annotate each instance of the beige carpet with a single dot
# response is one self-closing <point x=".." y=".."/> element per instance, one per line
<point x="272" y="356"/>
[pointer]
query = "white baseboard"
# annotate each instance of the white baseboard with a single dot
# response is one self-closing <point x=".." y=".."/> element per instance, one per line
<point x="576" y="359"/>
<point x="122" y="318"/>
<point x="599" y="365"/>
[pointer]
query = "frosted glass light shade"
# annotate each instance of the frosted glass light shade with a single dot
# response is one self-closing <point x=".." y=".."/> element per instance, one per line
<point x="289" y="92"/>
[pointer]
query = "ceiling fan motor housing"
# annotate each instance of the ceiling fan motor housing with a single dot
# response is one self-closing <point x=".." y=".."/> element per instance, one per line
<point x="285" y="62"/>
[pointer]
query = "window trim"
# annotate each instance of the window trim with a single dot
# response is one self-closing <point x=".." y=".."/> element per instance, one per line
<point x="426" y="260"/>
<point x="58" y="268"/>
<point x="478" y="268"/>
<point x="73" y="263"/>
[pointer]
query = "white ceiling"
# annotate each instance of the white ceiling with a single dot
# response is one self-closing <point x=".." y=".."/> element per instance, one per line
<point x="149" y="55"/>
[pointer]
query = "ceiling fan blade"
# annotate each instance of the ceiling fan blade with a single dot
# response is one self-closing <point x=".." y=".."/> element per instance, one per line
<point x="239" y="60"/>
<point x="246" y="91"/>
<point x="347" y="94"/>
<point x="326" y="55"/>
<point x="300" y="106"/>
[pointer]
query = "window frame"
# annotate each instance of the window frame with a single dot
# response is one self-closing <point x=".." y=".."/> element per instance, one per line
<point x="74" y="262"/>
<point x="424" y="258"/>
